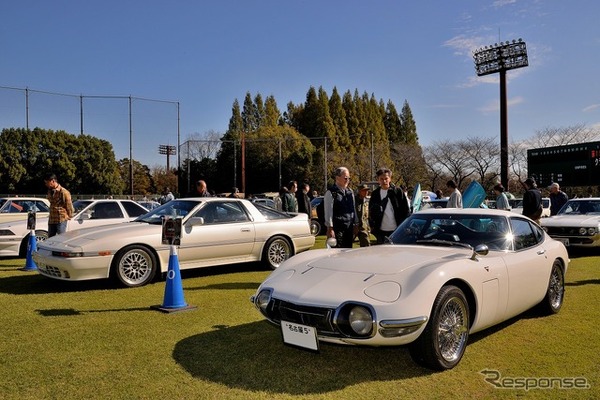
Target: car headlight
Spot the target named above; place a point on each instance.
(262, 300)
(361, 320)
(355, 320)
(592, 231)
(583, 231)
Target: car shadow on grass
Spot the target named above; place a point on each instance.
(253, 357)
(31, 282)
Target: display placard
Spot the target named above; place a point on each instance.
(31, 220)
(171, 231)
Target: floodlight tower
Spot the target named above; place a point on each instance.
(501, 58)
(167, 150)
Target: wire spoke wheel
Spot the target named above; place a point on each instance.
(452, 332)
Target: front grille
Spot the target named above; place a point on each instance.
(318, 317)
(48, 270)
(559, 230)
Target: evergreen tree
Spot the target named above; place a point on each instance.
(409, 126)
(392, 123)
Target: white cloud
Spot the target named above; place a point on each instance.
(494, 106)
(502, 3)
(591, 107)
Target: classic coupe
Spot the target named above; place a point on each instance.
(215, 231)
(17, 208)
(444, 275)
(577, 224)
(14, 236)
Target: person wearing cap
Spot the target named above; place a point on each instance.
(558, 198)
(388, 206)
(362, 211)
(501, 199)
(532, 200)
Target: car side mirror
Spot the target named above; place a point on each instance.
(195, 221)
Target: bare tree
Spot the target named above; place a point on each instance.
(550, 137)
(483, 158)
(454, 158)
(199, 147)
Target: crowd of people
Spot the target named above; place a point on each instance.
(348, 215)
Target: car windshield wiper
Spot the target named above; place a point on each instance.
(439, 242)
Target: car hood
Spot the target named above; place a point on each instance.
(571, 220)
(326, 276)
(106, 233)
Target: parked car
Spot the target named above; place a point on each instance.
(446, 273)
(577, 224)
(14, 236)
(17, 208)
(149, 204)
(317, 219)
(215, 231)
(264, 201)
(434, 203)
(517, 206)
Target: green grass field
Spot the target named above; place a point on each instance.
(94, 340)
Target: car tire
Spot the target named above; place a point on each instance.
(555, 293)
(315, 227)
(134, 266)
(277, 250)
(443, 342)
(40, 236)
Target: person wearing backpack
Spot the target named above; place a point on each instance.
(340, 211)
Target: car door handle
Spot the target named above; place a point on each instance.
(245, 230)
(541, 252)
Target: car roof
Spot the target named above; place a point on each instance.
(465, 211)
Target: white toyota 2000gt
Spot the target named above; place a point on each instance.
(444, 275)
(215, 231)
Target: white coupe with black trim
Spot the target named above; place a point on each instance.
(444, 275)
(215, 231)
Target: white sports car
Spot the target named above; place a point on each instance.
(14, 236)
(445, 274)
(577, 224)
(16, 208)
(215, 231)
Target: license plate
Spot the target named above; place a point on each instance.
(300, 335)
(564, 241)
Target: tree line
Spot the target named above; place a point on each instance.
(306, 142)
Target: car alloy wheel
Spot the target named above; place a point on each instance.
(135, 266)
(277, 250)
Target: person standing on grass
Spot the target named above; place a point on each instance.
(388, 206)
(61, 206)
(339, 210)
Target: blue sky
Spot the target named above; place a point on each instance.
(205, 54)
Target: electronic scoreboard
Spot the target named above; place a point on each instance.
(570, 165)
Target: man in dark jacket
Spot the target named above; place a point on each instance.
(532, 200)
(340, 212)
(388, 206)
(303, 199)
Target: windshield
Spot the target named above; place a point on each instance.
(81, 204)
(174, 208)
(447, 229)
(581, 207)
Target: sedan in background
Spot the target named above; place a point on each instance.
(149, 204)
(445, 274)
(17, 208)
(215, 231)
(577, 224)
(517, 206)
(14, 236)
